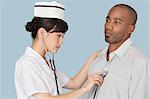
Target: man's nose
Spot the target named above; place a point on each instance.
(108, 26)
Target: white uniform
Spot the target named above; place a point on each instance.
(32, 75)
(126, 76)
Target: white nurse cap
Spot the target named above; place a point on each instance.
(49, 10)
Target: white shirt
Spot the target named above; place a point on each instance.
(33, 75)
(126, 76)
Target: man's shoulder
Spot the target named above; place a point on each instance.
(136, 53)
(137, 56)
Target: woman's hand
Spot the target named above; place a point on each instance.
(93, 56)
(77, 81)
(92, 80)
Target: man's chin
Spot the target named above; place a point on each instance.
(109, 41)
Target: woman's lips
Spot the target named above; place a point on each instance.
(57, 47)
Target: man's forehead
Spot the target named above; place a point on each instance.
(119, 8)
(118, 13)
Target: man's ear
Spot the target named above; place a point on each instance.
(131, 29)
(42, 32)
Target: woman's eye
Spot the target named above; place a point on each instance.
(59, 35)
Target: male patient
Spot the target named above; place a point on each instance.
(126, 65)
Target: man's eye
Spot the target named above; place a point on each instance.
(107, 20)
(117, 22)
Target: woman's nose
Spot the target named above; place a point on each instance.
(61, 41)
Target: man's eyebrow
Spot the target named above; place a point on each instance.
(107, 17)
(114, 18)
(118, 19)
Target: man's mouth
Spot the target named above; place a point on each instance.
(108, 34)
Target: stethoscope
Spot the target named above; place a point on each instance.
(103, 75)
(51, 64)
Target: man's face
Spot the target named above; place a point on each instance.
(117, 25)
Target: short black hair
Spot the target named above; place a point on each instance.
(131, 10)
(49, 24)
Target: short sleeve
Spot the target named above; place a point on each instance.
(30, 79)
(63, 78)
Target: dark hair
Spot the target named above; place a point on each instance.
(131, 10)
(54, 24)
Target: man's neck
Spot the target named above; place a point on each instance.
(113, 47)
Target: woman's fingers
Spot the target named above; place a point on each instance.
(97, 75)
(93, 56)
(97, 53)
(96, 78)
(92, 80)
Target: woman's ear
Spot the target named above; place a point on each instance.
(42, 33)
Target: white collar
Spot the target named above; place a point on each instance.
(31, 52)
(121, 50)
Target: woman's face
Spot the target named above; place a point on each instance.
(54, 41)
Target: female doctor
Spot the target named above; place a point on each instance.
(36, 76)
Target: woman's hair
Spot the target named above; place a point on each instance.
(49, 24)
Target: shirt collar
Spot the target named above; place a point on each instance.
(121, 50)
(31, 52)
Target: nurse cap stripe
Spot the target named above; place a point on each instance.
(49, 10)
(49, 6)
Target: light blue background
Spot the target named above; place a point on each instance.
(85, 19)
